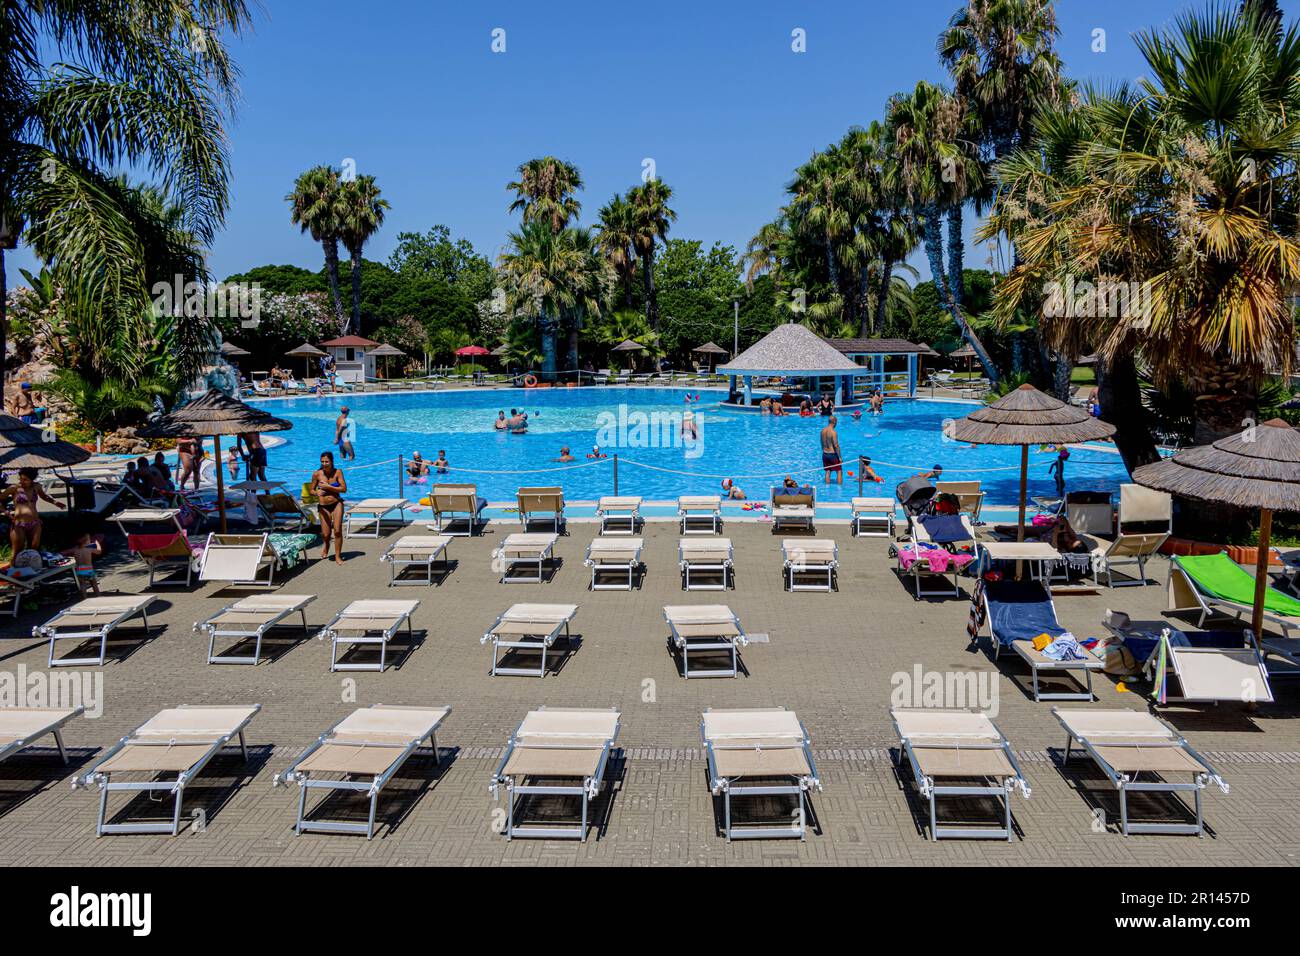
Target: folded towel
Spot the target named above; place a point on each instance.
(1065, 648)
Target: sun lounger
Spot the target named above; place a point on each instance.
(555, 752)
(239, 560)
(618, 514)
(529, 628)
(813, 557)
(959, 753)
(712, 557)
(877, 513)
(365, 749)
(524, 549)
(26, 585)
(180, 740)
(970, 497)
(936, 531)
(705, 629)
(759, 753)
(93, 619)
(157, 538)
(282, 512)
(20, 727)
(452, 503)
(606, 556)
(541, 504)
(1153, 511)
(414, 551)
(370, 511)
(1089, 512)
(798, 509)
(250, 620)
(1125, 745)
(1206, 667)
(692, 508)
(1019, 611)
(367, 622)
(1215, 584)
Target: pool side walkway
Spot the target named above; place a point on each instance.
(833, 658)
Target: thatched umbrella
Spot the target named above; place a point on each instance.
(306, 352)
(710, 348)
(25, 446)
(385, 351)
(1260, 468)
(230, 350)
(965, 352)
(627, 345)
(1027, 417)
(212, 416)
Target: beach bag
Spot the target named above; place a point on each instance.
(30, 559)
(1119, 661)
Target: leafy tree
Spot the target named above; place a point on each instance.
(651, 219)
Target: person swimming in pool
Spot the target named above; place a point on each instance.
(501, 424)
(596, 453)
(441, 464)
(417, 468)
(565, 456)
(732, 490)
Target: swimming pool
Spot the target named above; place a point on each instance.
(643, 426)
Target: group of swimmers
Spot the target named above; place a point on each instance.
(516, 424)
(417, 469)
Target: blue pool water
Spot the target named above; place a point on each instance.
(643, 425)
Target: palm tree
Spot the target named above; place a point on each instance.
(617, 238)
(361, 213)
(534, 267)
(146, 84)
(651, 220)
(314, 206)
(935, 170)
(544, 192)
(588, 276)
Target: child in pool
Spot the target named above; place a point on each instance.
(441, 464)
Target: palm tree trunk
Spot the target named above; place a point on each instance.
(956, 256)
(882, 299)
(1061, 373)
(1017, 353)
(356, 292)
(651, 297)
(572, 358)
(332, 271)
(933, 241)
(548, 348)
(1120, 398)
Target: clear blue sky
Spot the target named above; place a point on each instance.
(711, 91)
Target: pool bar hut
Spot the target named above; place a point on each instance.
(353, 362)
(849, 369)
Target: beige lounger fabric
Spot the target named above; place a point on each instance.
(418, 545)
(176, 738)
(368, 740)
(700, 549)
(699, 503)
(808, 551)
(561, 742)
(261, 608)
(527, 545)
(702, 620)
(953, 743)
(614, 550)
(19, 723)
(618, 502)
(762, 742)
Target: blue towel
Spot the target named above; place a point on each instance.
(945, 529)
(1064, 648)
(1020, 611)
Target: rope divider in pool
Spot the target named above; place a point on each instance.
(532, 471)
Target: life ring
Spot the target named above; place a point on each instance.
(530, 381)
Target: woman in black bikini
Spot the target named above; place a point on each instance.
(329, 486)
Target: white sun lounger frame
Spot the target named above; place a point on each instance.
(588, 790)
(444, 516)
(693, 507)
(600, 563)
(706, 643)
(416, 556)
(724, 566)
(238, 633)
(371, 787)
(1002, 790)
(372, 510)
(793, 564)
(729, 787)
(544, 554)
(546, 634)
(1127, 783)
(872, 511)
(68, 617)
(358, 634)
(53, 727)
(613, 510)
(266, 559)
(175, 787)
(1080, 671)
